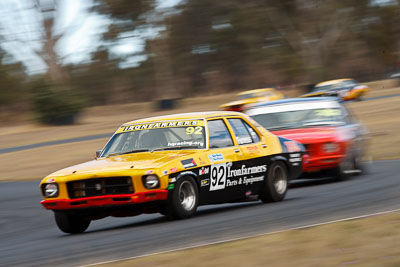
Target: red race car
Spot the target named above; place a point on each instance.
(334, 141)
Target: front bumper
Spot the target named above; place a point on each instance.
(106, 200)
(318, 163)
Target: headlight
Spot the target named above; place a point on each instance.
(344, 93)
(50, 190)
(151, 181)
(330, 147)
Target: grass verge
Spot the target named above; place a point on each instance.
(382, 119)
(373, 241)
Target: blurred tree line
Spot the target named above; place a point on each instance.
(208, 47)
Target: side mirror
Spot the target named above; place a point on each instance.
(98, 152)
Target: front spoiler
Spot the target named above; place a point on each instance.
(107, 200)
(322, 162)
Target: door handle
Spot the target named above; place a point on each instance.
(237, 150)
(264, 146)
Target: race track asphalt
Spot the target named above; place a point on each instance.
(29, 236)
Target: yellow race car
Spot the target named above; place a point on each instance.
(172, 164)
(252, 96)
(346, 89)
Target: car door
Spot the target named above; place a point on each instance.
(253, 166)
(223, 153)
(356, 132)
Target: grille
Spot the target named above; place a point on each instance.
(308, 148)
(100, 187)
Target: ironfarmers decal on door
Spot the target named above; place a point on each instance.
(225, 175)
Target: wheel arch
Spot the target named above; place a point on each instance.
(280, 158)
(189, 174)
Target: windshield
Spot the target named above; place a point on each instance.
(255, 94)
(168, 135)
(300, 118)
(329, 87)
(335, 86)
(249, 95)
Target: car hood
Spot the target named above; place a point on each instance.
(310, 134)
(319, 93)
(136, 161)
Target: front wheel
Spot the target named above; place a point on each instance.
(184, 199)
(345, 168)
(361, 167)
(69, 223)
(275, 186)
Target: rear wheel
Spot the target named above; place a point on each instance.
(184, 199)
(275, 186)
(69, 223)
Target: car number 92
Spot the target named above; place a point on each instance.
(218, 176)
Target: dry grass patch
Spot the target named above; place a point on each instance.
(100, 120)
(373, 241)
(37, 163)
(382, 118)
(383, 87)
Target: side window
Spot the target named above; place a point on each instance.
(242, 134)
(348, 84)
(219, 134)
(253, 133)
(348, 116)
(267, 94)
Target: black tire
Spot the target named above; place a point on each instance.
(275, 186)
(361, 166)
(183, 201)
(71, 224)
(341, 172)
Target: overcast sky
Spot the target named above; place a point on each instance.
(19, 25)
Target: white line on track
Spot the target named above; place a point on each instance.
(244, 237)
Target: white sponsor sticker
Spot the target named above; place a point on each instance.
(216, 157)
(51, 180)
(244, 140)
(204, 170)
(218, 177)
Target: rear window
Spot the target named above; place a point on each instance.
(243, 132)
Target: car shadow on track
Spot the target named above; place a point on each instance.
(202, 212)
(154, 221)
(217, 208)
(311, 182)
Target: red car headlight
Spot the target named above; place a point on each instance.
(306, 159)
(330, 147)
